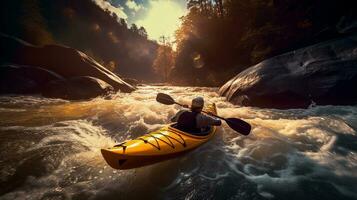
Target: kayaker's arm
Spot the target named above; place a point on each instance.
(215, 121)
(205, 121)
(176, 117)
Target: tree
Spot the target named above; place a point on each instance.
(134, 28)
(164, 61)
(143, 32)
(220, 10)
(207, 7)
(123, 23)
(204, 6)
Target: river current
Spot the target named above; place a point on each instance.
(50, 149)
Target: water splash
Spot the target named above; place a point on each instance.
(50, 149)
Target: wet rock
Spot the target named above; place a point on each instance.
(15, 79)
(65, 61)
(77, 88)
(131, 81)
(322, 74)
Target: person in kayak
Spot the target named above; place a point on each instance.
(193, 120)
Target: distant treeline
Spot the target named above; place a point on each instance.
(83, 25)
(219, 38)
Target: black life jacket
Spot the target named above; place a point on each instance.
(187, 122)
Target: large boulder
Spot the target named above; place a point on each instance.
(16, 79)
(131, 81)
(65, 61)
(77, 88)
(325, 73)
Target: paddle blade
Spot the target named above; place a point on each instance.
(239, 125)
(165, 99)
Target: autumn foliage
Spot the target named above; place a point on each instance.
(164, 61)
(231, 35)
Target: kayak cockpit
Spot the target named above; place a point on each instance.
(206, 131)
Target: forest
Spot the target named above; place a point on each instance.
(220, 38)
(216, 39)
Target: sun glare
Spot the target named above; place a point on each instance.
(162, 19)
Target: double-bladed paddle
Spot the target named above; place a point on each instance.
(236, 124)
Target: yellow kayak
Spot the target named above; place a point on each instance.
(165, 143)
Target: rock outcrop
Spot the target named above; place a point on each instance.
(67, 64)
(131, 81)
(77, 88)
(323, 74)
(65, 61)
(16, 79)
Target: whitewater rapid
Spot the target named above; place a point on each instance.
(50, 149)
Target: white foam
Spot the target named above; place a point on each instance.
(284, 148)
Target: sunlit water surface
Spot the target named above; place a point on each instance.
(50, 149)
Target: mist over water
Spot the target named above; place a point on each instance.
(50, 149)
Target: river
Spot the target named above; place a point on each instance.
(50, 149)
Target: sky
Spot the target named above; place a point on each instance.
(158, 17)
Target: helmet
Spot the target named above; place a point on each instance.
(197, 103)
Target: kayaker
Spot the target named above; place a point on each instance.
(193, 121)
